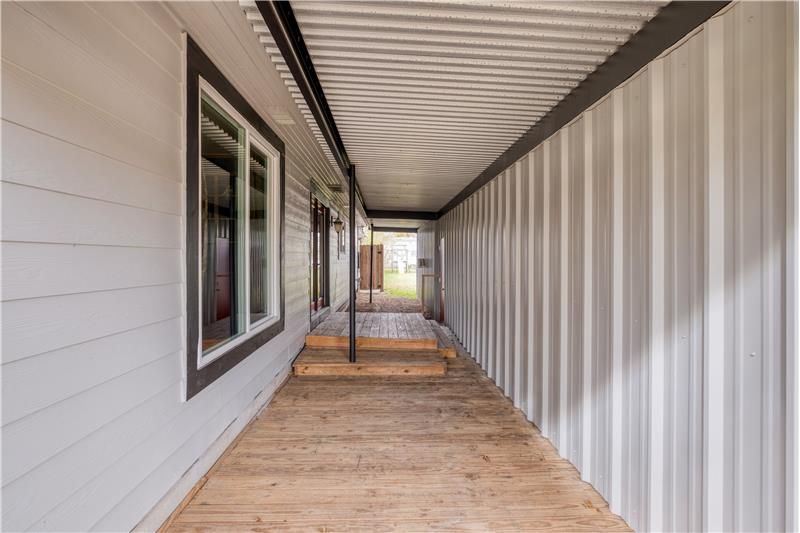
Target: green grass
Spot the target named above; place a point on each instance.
(400, 285)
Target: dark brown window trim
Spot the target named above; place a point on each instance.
(199, 65)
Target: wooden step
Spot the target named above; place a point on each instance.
(446, 346)
(334, 362)
(380, 331)
(375, 343)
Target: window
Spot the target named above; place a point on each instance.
(320, 254)
(222, 221)
(260, 237)
(234, 226)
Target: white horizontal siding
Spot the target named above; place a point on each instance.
(654, 235)
(34, 270)
(63, 170)
(339, 265)
(60, 218)
(83, 366)
(38, 325)
(94, 430)
(81, 24)
(33, 102)
(87, 78)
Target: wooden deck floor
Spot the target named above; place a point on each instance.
(428, 453)
(375, 330)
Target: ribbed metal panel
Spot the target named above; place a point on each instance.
(627, 282)
(426, 249)
(330, 180)
(426, 94)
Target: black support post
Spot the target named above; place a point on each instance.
(352, 186)
(371, 253)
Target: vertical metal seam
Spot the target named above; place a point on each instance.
(587, 472)
(792, 519)
(508, 261)
(618, 207)
(519, 291)
(714, 401)
(545, 394)
(657, 281)
(564, 304)
(532, 315)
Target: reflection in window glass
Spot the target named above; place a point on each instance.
(222, 224)
(260, 245)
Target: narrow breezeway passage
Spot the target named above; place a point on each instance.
(421, 453)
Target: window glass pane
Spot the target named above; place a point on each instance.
(222, 225)
(260, 244)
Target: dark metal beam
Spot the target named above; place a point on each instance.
(402, 215)
(672, 23)
(371, 253)
(361, 199)
(285, 30)
(390, 229)
(352, 310)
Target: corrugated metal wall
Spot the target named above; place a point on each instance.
(624, 282)
(426, 250)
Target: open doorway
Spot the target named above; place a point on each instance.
(394, 273)
(400, 265)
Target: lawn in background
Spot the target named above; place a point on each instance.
(400, 285)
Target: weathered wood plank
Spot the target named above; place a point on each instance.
(407, 331)
(446, 345)
(326, 362)
(410, 453)
(380, 343)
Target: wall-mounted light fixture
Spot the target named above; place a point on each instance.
(338, 225)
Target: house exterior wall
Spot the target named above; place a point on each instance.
(340, 267)
(624, 283)
(95, 431)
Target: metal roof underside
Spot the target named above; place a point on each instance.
(427, 94)
(398, 223)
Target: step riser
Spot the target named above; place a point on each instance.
(354, 369)
(320, 341)
(448, 353)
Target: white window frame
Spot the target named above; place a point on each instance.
(252, 137)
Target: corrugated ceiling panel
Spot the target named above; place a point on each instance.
(426, 94)
(330, 182)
